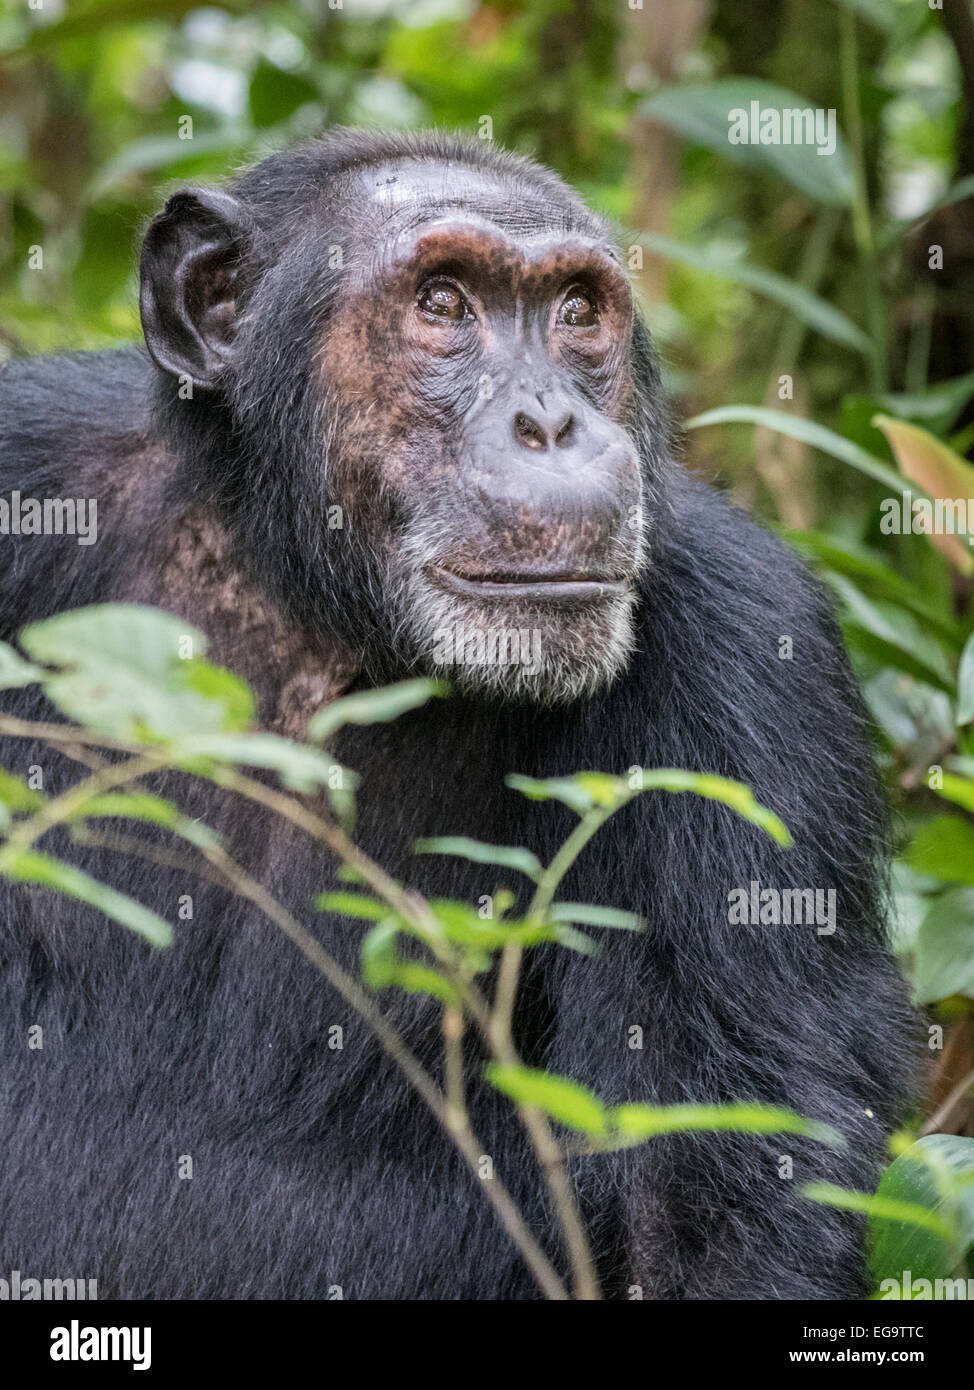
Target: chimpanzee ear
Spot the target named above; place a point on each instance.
(193, 266)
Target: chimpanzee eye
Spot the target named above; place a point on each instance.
(577, 310)
(444, 301)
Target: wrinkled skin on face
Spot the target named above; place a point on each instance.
(483, 376)
(474, 369)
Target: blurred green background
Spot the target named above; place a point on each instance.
(831, 298)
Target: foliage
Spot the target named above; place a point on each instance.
(799, 295)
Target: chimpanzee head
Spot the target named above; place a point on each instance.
(409, 373)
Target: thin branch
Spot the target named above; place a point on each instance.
(943, 1113)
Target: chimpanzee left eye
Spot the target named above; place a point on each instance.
(444, 301)
(578, 310)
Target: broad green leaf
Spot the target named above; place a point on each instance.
(152, 154)
(128, 635)
(807, 432)
(276, 94)
(373, 706)
(934, 1175)
(944, 847)
(891, 636)
(882, 1210)
(935, 408)
(944, 948)
(27, 866)
(504, 856)
(702, 113)
(638, 1121)
(14, 670)
(564, 1100)
(910, 712)
(135, 672)
(122, 704)
(817, 313)
(873, 576)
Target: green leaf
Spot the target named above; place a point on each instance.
(935, 408)
(881, 1209)
(565, 789)
(817, 313)
(353, 905)
(502, 855)
(891, 637)
(231, 693)
(152, 810)
(300, 768)
(380, 953)
(965, 683)
(124, 673)
(420, 979)
(637, 1121)
(736, 795)
(807, 432)
(27, 866)
(875, 577)
(15, 796)
(128, 635)
(373, 706)
(701, 112)
(959, 790)
(157, 154)
(586, 790)
(382, 968)
(591, 915)
(564, 1100)
(944, 948)
(275, 94)
(14, 670)
(944, 847)
(934, 1175)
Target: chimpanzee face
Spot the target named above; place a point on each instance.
(479, 360)
(474, 368)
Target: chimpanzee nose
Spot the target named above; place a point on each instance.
(542, 429)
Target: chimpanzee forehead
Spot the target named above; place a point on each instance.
(403, 194)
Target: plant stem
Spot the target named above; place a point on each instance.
(861, 217)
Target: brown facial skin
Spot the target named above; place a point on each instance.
(480, 377)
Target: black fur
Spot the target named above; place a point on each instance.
(316, 1167)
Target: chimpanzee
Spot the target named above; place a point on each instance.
(396, 406)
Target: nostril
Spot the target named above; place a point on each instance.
(566, 432)
(528, 432)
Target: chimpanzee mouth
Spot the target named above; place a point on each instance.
(557, 587)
